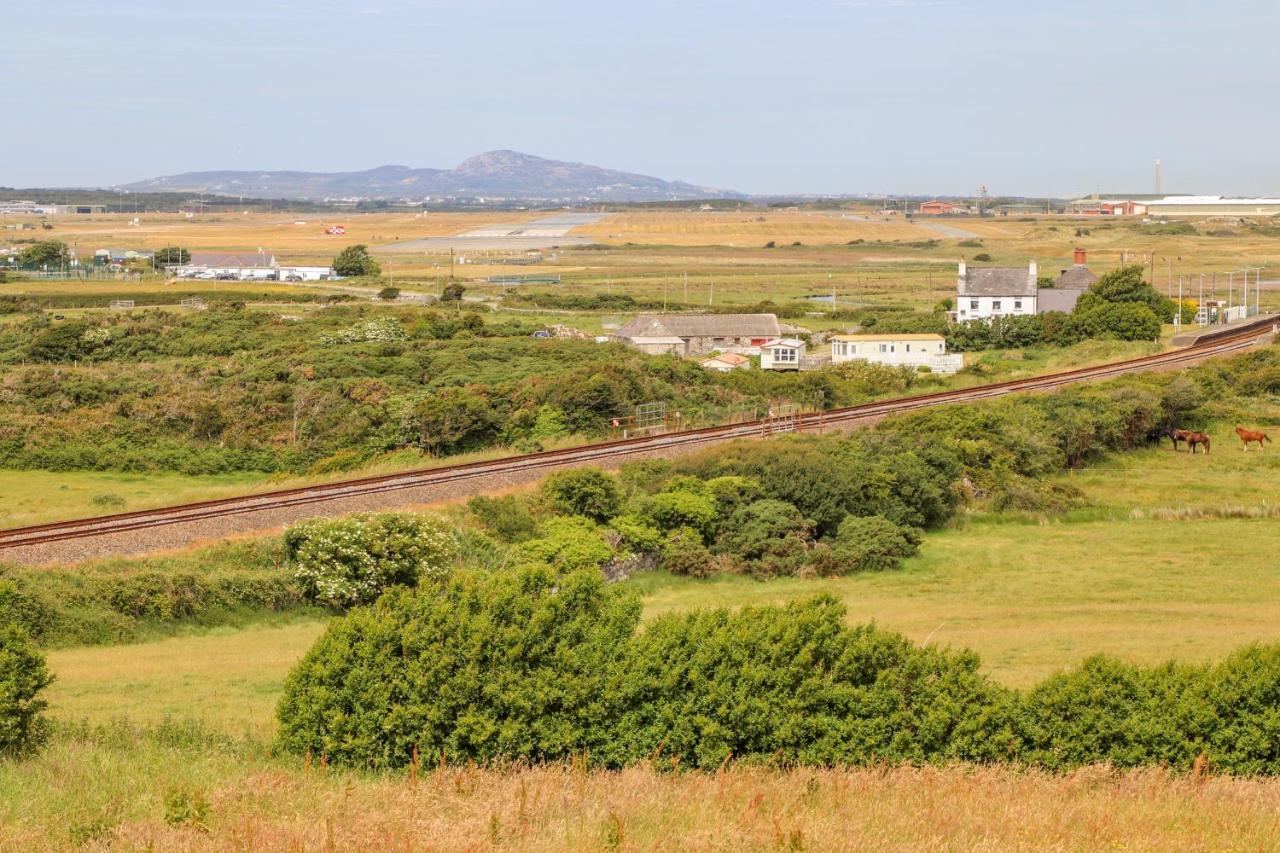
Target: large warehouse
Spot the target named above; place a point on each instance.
(1212, 205)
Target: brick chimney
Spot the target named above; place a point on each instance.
(1079, 259)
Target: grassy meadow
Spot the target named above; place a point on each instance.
(165, 744)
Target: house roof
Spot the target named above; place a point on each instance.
(729, 358)
(997, 281)
(702, 326)
(231, 259)
(1079, 277)
(922, 336)
(789, 343)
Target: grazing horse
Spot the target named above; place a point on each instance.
(1181, 435)
(1156, 435)
(1194, 438)
(1248, 435)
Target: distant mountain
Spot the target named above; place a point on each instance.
(505, 174)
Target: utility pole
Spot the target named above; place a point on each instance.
(686, 287)
(711, 297)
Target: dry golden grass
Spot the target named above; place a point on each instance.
(257, 806)
(275, 232)
(745, 228)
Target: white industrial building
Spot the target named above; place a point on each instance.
(899, 350)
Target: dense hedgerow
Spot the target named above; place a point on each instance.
(118, 601)
(23, 676)
(533, 666)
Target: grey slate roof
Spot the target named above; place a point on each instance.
(1057, 299)
(701, 326)
(1076, 278)
(997, 281)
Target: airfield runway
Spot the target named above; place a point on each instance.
(539, 234)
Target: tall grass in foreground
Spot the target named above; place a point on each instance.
(176, 787)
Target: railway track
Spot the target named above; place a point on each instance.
(265, 502)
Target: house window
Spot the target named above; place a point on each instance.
(908, 347)
(784, 355)
(995, 304)
(1017, 305)
(973, 304)
(884, 348)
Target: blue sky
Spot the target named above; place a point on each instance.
(926, 96)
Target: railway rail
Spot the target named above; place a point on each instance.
(1225, 343)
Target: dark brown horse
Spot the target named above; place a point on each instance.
(1248, 435)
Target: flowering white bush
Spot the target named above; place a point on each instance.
(377, 329)
(344, 562)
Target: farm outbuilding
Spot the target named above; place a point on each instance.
(703, 333)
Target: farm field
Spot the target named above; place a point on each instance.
(867, 260)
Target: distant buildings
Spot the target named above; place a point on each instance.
(897, 349)
(986, 292)
(1213, 205)
(726, 362)
(940, 208)
(695, 334)
(32, 208)
(231, 266)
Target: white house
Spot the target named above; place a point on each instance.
(909, 350)
(986, 292)
(782, 354)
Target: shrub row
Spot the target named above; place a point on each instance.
(124, 601)
(530, 666)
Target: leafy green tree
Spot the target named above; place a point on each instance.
(453, 418)
(675, 510)
(1125, 321)
(23, 675)
(355, 261)
(588, 492)
(45, 254)
(452, 293)
(389, 294)
(343, 562)
(171, 255)
(1125, 285)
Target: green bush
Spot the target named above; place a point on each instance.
(588, 492)
(679, 510)
(344, 562)
(22, 676)
(873, 543)
(637, 536)
(505, 517)
(568, 544)
(493, 668)
(756, 527)
(684, 554)
(794, 685)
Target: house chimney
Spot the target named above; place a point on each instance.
(1032, 270)
(963, 279)
(1079, 256)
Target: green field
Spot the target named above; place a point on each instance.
(1031, 595)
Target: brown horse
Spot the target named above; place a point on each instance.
(1248, 435)
(1194, 438)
